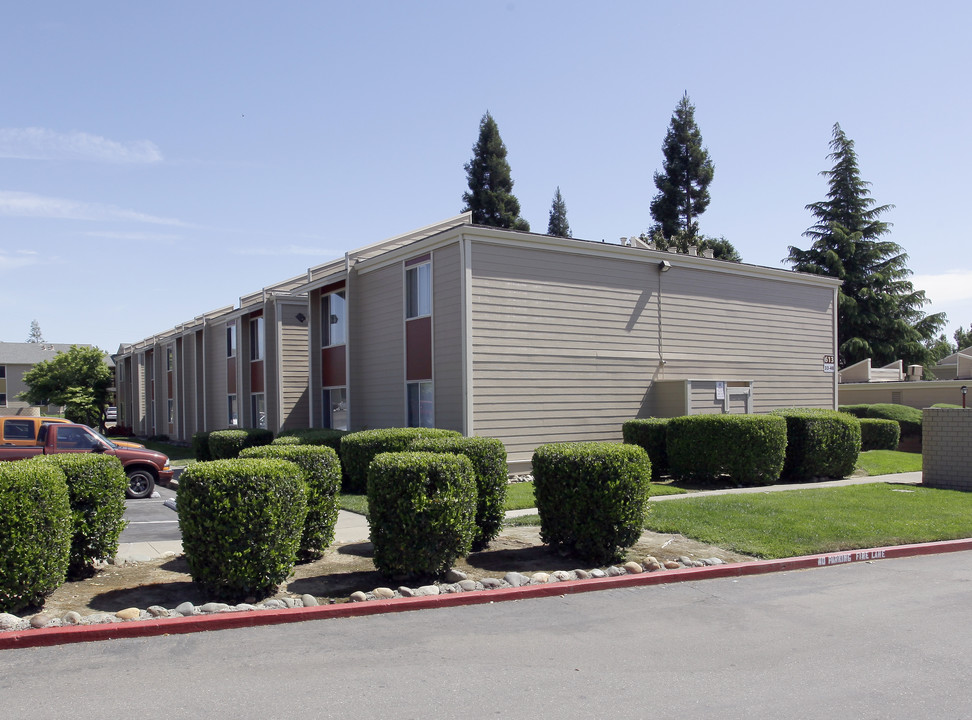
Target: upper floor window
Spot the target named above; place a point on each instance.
(334, 319)
(231, 340)
(256, 338)
(169, 359)
(3, 371)
(418, 290)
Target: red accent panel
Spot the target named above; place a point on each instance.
(169, 378)
(256, 376)
(418, 349)
(231, 376)
(334, 367)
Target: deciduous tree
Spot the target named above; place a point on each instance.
(77, 379)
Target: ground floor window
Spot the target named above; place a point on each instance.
(420, 404)
(336, 408)
(171, 411)
(258, 407)
(3, 399)
(232, 413)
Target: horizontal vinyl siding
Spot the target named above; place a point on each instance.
(216, 408)
(377, 372)
(294, 372)
(447, 338)
(567, 346)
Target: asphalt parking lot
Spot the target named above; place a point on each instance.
(150, 520)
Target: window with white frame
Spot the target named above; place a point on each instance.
(418, 290)
(335, 408)
(256, 338)
(334, 319)
(169, 359)
(231, 340)
(421, 405)
(258, 409)
(232, 412)
(171, 411)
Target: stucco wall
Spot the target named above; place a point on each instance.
(947, 448)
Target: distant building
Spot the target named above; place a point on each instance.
(862, 384)
(15, 360)
(524, 337)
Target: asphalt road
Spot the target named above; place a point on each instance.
(150, 520)
(888, 639)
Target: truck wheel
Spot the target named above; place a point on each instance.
(141, 483)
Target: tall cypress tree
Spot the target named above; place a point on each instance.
(490, 196)
(879, 312)
(558, 224)
(683, 186)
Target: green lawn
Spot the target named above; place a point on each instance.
(888, 462)
(805, 522)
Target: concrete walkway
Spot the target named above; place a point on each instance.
(352, 527)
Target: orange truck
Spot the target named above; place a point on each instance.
(143, 467)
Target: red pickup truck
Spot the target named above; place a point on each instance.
(143, 467)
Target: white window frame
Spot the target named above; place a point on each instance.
(231, 340)
(232, 411)
(257, 344)
(418, 290)
(327, 416)
(256, 401)
(422, 420)
(327, 336)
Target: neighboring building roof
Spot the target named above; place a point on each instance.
(32, 353)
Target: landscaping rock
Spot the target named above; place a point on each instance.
(213, 607)
(9, 622)
(582, 574)
(309, 600)
(428, 590)
(129, 614)
(71, 618)
(491, 583)
(467, 585)
(633, 568)
(515, 579)
(454, 576)
(540, 578)
(406, 592)
(186, 609)
(598, 573)
(671, 565)
(358, 597)
(383, 593)
(42, 620)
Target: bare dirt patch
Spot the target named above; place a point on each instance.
(344, 569)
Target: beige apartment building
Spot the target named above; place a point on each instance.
(524, 337)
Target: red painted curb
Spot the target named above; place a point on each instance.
(46, 637)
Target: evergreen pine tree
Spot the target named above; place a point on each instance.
(490, 195)
(35, 333)
(687, 172)
(879, 312)
(558, 224)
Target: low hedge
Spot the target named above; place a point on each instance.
(592, 497)
(96, 488)
(227, 444)
(422, 509)
(35, 533)
(313, 436)
(650, 435)
(200, 447)
(858, 411)
(908, 418)
(358, 449)
(820, 443)
(488, 457)
(750, 449)
(878, 434)
(241, 523)
(322, 473)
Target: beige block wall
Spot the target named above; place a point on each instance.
(947, 448)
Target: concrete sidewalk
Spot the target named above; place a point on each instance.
(352, 527)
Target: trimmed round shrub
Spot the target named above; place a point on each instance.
(650, 435)
(908, 418)
(312, 436)
(226, 444)
(200, 447)
(878, 434)
(488, 457)
(749, 449)
(35, 533)
(96, 488)
(422, 508)
(820, 443)
(241, 523)
(858, 411)
(358, 449)
(592, 497)
(322, 473)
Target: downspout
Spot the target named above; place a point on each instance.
(347, 338)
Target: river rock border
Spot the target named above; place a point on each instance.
(455, 581)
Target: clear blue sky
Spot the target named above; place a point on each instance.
(159, 160)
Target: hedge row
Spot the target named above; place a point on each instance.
(819, 443)
(877, 434)
(360, 448)
(591, 497)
